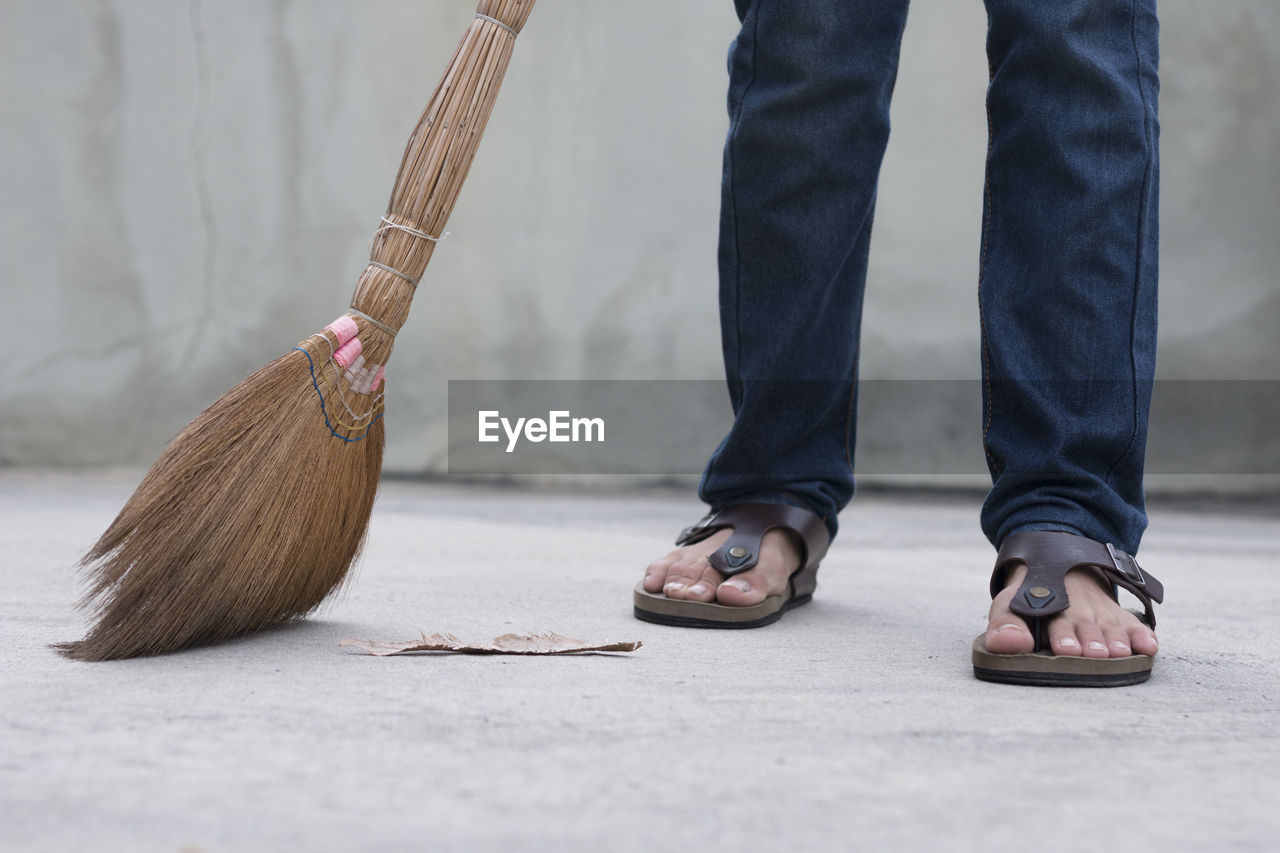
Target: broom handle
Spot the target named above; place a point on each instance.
(436, 161)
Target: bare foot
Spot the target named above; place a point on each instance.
(686, 574)
(1094, 626)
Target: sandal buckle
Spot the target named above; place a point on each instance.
(1127, 565)
(697, 531)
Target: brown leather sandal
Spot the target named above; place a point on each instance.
(1049, 556)
(740, 552)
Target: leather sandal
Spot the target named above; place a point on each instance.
(1048, 557)
(739, 553)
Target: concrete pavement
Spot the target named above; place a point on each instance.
(853, 724)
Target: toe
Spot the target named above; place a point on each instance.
(1009, 638)
(1063, 639)
(1006, 633)
(743, 590)
(704, 588)
(1092, 641)
(1143, 641)
(681, 575)
(683, 569)
(692, 580)
(1118, 641)
(655, 577)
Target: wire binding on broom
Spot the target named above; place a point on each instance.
(346, 362)
(337, 382)
(388, 225)
(499, 23)
(393, 271)
(324, 409)
(390, 331)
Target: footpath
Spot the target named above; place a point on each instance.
(854, 724)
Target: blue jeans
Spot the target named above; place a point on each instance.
(1067, 288)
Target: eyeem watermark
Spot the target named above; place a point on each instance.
(916, 427)
(558, 427)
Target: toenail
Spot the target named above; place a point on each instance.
(1009, 628)
(698, 589)
(1097, 647)
(1068, 643)
(741, 586)
(673, 587)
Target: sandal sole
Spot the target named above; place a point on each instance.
(1045, 670)
(661, 610)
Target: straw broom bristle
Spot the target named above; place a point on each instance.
(250, 517)
(254, 513)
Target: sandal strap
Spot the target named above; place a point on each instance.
(750, 522)
(1049, 555)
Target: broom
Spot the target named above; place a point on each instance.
(253, 514)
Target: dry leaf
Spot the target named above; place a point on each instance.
(507, 644)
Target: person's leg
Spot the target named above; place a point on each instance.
(1068, 292)
(809, 91)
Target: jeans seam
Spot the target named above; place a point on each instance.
(733, 196)
(1140, 254)
(848, 419)
(982, 270)
(732, 202)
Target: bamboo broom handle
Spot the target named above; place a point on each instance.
(436, 161)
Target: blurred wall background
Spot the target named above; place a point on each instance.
(187, 188)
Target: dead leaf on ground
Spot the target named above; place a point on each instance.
(507, 644)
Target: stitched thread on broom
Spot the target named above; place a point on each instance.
(342, 398)
(311, 365)
(362, 421)
(499, 23)
(337, 387)
(337, 384)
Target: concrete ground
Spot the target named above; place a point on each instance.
(853, 724)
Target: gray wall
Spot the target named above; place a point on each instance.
(188, 188)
